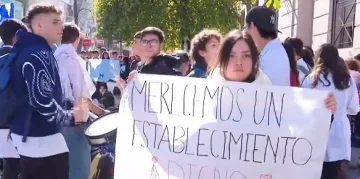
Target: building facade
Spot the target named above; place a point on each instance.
(86, 21)
(64, 5)
(322, 21)
(19, 7)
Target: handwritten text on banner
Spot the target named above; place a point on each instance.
(176, 127)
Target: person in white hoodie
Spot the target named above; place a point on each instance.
(76, 83)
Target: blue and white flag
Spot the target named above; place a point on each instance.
(7, 11)
(104, 70)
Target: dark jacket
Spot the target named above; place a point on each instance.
(160, 65)
(36, 74)
(127, 63)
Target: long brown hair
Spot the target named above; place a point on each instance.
(225, 49)
(329, 61)
(292, 61)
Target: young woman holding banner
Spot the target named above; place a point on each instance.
(238, 60)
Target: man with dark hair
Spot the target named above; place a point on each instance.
(152, 62)
(154, 31)
(274, 62)
(204, 49)
(76, 83)
(151, 42)
(71, 33)
(11, 167)
(8, 29)
(35, 77)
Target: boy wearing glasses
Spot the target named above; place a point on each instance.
(152, 62)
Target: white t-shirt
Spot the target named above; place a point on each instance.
(339, 144)
(39, 147)
(7, 149)
(274, 62)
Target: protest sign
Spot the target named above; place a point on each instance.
(103, 70)
(177, 128)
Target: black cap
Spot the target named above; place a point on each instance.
(263, 17)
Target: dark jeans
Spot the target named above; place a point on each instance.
(11, 168)
(52, 167)
(332, 170)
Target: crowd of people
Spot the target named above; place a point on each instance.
(46, 139)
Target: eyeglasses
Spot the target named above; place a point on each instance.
(151, 43)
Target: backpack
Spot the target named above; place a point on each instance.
(8, 100)
(102, 165)
(304, 70)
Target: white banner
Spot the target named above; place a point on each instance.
(189, 128)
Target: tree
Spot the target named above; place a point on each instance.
(120, 19)
(276, 4)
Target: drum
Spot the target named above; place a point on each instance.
(102, 131)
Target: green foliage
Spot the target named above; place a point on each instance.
(120, 19)
(276, 4)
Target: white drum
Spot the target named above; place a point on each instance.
(102, 131)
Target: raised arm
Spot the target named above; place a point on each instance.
(40, 78)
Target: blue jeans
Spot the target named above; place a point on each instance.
(79, 151)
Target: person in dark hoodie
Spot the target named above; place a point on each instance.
(11, 167)
(35, 77)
